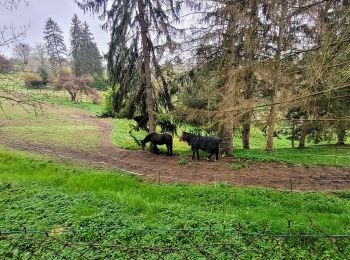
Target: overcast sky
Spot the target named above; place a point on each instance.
(36, 14)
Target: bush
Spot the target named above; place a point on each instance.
(182, 161)
(32, 80)
(42, 72)
(98, 82)
(107, 107)
(5, 65)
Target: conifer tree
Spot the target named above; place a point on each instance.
(55, 45)
(132, 57)
(85, 55)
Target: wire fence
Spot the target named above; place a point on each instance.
(190, 243)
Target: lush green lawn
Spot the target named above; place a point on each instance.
(58, 126)
(60, 98)
(146, 205)
(42, 195)
(48, 95)
(321, 154)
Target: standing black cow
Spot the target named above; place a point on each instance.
(205, 143)
(159, 139)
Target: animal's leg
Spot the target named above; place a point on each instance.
(155, 149)
(171, 149)
(217, 154)
(197, 154)
(168, 149)
(210, 155)
(193, 152)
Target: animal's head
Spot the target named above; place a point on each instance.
(183, 137)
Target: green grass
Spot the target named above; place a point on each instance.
(42, 194)
(58, 126)
(39, 194)
(61, 101)
(49, 96)
(328, 155)
(321, 154)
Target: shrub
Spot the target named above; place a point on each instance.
(5, 65)
(107, 107)
(42, 72)
(98, 82)
(32, 80)
(182, 161)
(237, 166)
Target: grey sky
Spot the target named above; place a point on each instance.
(37, 13)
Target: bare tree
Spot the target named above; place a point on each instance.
(22, 51)
(9, 35)
(40, 53)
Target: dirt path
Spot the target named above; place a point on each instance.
(160, 168)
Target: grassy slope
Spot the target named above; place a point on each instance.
(41, 194)
(324, 154)
(62, 98)
(58, 126)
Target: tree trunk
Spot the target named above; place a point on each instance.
(303, 134)
(147, 67)
(250, 46)
(227, 141)
(73, 96)
(293, 136)
(229, 87)
(273, 110)
(246, 131)
(341, 136)
(271, 124)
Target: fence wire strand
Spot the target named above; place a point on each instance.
(175, 243)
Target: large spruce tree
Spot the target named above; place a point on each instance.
(76, 42)
(55, 45)
(85, 55)
(132, 55)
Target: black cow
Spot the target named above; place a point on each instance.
(205, 143)
(159, 139)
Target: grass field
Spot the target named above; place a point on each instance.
(39, 194)
(59, 126)
(35, 182)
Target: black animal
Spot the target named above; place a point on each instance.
(159, 139)
(205, 143)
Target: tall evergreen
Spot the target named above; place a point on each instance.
(92, 59)
(136, 26)
(55, 45)
(76, 42)
(85, 55)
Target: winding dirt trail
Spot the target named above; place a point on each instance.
(160, 168)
